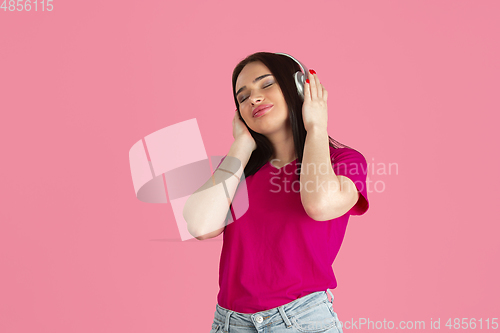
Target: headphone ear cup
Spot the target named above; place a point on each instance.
(299, 82)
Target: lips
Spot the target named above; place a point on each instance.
(260, 108)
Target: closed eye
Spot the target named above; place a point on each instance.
(270, 84)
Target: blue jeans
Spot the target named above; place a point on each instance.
(312, 313)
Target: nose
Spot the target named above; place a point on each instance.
(255, 97)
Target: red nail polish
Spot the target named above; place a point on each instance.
(312, 71)
(307, 80)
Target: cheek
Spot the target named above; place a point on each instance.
(277, 96)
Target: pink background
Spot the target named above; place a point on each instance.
(410, 82)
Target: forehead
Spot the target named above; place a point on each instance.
(250, 72)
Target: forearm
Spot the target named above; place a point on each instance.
(319, 184)
(205, 210)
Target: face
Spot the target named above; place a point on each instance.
(257, 89)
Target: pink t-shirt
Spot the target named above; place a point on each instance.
(275, 253)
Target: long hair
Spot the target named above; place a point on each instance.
(282, 68)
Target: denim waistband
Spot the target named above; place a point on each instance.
(228, 318)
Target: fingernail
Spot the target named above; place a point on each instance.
(312, 71)
(307, 80)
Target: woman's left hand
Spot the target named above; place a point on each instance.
(314, 109)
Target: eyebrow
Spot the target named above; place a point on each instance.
(257, 79)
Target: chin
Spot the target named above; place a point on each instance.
(270, 127)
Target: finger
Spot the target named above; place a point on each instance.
(320, 90)
(325, 94)
(319, 85)
(312, 82)
(237, 115)
(307, 91)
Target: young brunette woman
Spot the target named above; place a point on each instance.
(290, 189)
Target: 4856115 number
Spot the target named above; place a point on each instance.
(27, 5)
(472, 323)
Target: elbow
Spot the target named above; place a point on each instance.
(187, 214)
(322, 213)
(314, 212)
(194, 232)
(194, 227)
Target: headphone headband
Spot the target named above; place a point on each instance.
(303, 67)
(300, 77)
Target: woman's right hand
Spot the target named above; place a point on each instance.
(241, 133)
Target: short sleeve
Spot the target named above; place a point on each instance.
(352, 164)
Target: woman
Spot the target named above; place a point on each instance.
(276, 261)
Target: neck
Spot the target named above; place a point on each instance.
(284, 149)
